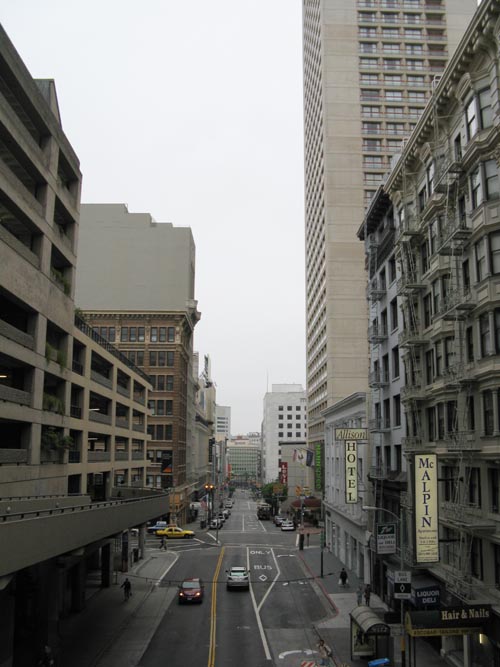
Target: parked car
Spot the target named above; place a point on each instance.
(226, 512)
(237, 577)
(174, 532)
(191, 590)
(221, 516)
(287, 525)
(216, 523)
(278, 520)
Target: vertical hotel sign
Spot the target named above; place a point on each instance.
(426, 509)
(351, 471)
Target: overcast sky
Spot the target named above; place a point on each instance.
(192, 111)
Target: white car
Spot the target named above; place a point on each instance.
(237, 577)
(287, 525)
(216, 523)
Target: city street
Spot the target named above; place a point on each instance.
(273, 621)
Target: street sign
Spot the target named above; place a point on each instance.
(386, 538)
(402, 585)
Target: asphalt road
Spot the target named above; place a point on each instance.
(269, 625)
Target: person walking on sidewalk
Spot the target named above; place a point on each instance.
(127, 589)
(163, 544)
(368, 592)
(343, 577)
(325, 653)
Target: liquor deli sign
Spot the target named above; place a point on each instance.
(426, 508)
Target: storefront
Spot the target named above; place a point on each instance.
(471, 623)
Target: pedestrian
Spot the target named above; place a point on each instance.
(163, 544)
(47, 659)
(359, 595)
(343, 577)
(127, 589)
(368, 592)
(307, 536)
(325, 653)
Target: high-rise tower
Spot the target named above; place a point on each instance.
(369, 67)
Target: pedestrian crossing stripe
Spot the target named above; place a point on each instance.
(308, 663)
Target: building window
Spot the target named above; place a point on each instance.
(394, 313)
(471, 415)
(476, 188)
(440, 421)
(488, 412)
(429, 367)
(485, 112)
(494, 239)
(387, 413)
(449, 351)
(466, 276)
(395, 362)
(153, 334)
(491, 179)
(484, 334)
(124, 334)
(397, 410)
(439, 359)
(469, 343)
(436, 295)
(161, 357)
(280, 408)
(431, 424)
(427, 310)
(160, 408)
(471, 119)
(494, 489)
(163, 334)
(476, 558)
(480, 251)
(169, 408)
(168, 431)
(170, 383)
(170, 359)
(152, 358)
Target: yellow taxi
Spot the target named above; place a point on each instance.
(174, 532)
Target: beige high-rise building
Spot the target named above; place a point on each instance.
(369, 67)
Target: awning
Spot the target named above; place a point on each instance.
(368, 621)
(308, 503)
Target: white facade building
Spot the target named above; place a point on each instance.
(223, 421)
(285, 419)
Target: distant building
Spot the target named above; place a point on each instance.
(284, 420)
(243, 463)
(136, 289)
(223, 421)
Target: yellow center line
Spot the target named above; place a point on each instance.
(213, 612)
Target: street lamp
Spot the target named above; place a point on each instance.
(399, 519)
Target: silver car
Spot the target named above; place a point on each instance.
(238, 577)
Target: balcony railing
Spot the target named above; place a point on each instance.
(14, 395)
(101, 379)
(94, 457)
(100, 417)
(13, 456)
(15, 334)
(379, 378)
(377, 333)
(121, 455)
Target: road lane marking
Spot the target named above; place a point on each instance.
(257, 614)
(213, 612)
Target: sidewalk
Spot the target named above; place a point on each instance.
(112, 632)
(336, 630)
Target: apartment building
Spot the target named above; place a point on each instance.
(223, 420)
(368, 71)
(72, 410)
(145, 306)
(285, 420)
(445, 193)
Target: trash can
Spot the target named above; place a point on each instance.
(203, 524)
(379, 662)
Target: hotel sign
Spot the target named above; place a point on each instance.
(426, 509)
(351, 471)
(350, 434)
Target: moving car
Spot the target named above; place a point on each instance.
(174, 532)
(159, 525)
(226, 513)
(287, 525)
(278, 520)
(237, 577)
(191, 590)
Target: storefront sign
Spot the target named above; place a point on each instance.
(283, 477)
(351, 471)
(386, 538)
(449, 621)
(426, 509)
